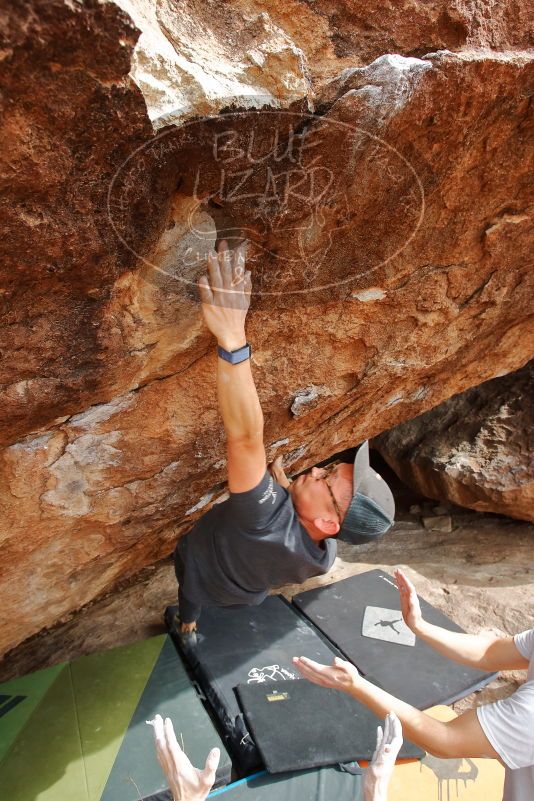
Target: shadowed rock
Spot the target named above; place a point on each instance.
(475, 449)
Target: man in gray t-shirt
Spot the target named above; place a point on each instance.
(270, 531)
(248, 544)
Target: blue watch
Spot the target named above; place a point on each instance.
(235, 356)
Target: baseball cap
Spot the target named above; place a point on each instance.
(371, 511)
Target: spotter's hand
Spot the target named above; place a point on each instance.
(340, 675)
(388, 745)
(225, 295)
(186, 782)
(410, 607)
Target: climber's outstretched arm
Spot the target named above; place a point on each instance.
(225, 296)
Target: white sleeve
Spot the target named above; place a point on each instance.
(508, 725)
(525, 643)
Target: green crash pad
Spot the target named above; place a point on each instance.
(319, 784)
(78, 730)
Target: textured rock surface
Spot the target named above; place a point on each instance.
(475, 449)
(193, 55)
(390, 245)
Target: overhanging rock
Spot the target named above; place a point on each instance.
(386, 200)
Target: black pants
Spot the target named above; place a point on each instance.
(189, 612)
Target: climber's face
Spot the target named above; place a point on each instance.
(321, 497)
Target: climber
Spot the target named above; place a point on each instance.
(270, 531)
(187, 783)
(502, 729)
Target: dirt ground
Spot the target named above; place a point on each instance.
(481, 575)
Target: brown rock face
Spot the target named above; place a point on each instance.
(475, 449)
(387, 201)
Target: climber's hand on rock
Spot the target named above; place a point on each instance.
(277, 472)
(225, 295)
(410, 607)
(186, 782)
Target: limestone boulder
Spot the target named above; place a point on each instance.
(476, 449)
(380, 167)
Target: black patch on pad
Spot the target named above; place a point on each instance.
(300, 725)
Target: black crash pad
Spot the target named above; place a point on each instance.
(301, 725)
(251, 644)
(415, 673)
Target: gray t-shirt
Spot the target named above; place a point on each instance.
(249, 544)
(509, 726)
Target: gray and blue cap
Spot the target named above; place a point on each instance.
(371, 511)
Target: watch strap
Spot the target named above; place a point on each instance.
(235, 356)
